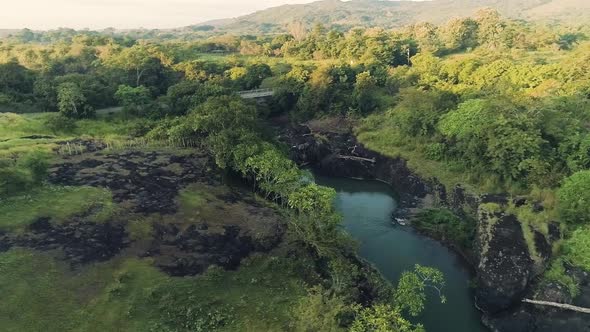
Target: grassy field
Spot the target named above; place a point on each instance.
(41, 293)
(58, 203)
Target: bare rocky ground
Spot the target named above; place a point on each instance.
(171, 206)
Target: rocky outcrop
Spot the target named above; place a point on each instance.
(341, 155)
(505, 267)
(148, 181)
(190, 251)
(523, 317)
(80, 241)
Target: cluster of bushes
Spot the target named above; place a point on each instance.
(22, 174)
(444, 224)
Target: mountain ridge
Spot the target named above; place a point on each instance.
(393, 14)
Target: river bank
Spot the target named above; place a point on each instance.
(505, 269)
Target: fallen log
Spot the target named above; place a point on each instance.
(356, 158)
(559, 305)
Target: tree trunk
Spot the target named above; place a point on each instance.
(139, 74)
(559, 305)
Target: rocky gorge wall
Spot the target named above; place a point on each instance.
(504, 268)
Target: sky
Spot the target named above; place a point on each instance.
(98, 14)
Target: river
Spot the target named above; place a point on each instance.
(367, 207)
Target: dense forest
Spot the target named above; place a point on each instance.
(496, 105)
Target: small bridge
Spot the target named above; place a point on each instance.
(255, 94)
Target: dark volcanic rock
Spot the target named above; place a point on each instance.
(342, 155)
(541, 245)
(81, 241)
(505, 267)
(190, 251)
(150, 181)
(535, 318)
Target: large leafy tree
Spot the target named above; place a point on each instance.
(140, 59)
(496, 136)
(460, 34)
(574, 198)
(16, 81)
(72, 102)
(134, 100)
(227, 121)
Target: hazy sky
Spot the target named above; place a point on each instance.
(94, 14)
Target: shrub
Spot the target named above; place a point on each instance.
(576, 249)
(435, 151)
(14, 180)
(37, 163)
(574, 198)
(59, 123)
(29, 170)
(442, 223)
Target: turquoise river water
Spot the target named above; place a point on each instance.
(367, 207)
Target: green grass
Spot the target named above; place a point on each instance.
(43, 294)
(36, 294)
(192, 199)
(556, 273)
(203, 203)
(18, 125)
(57, 203)
(14, 125)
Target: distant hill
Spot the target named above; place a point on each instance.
(8, 32)
(344, 15)
(390, 14)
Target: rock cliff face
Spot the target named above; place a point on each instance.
(505, 271)
(505, 267)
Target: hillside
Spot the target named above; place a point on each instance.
(391, 14)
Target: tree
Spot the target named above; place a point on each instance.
(574, 198)
(275, 174)
(490, 29)
(72, 102)
(316, 222)
(45, 93)
(227, 121)
(134, 100)
(418, 112)
(497, 136)
(139, 59)
(576, 249)
(318, 311)
(460, 34)
(410, 293)
(15, 79)
(255, 74)
(382, 318)
(312, 200)
(426, 34)
(298, 30)
(364, 92)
